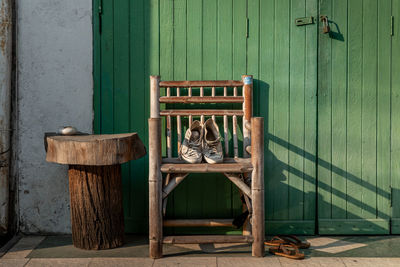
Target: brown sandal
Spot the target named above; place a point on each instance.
(295, 241)
(288, 251)
(276, 241)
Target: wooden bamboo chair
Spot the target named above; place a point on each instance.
(250, 166)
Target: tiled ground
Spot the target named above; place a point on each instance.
(325, 251)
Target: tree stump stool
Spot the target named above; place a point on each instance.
(95, 186)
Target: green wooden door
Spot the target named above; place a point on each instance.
(208, 39)
(358, 91)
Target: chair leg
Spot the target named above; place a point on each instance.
(257, 185)
(155, 189)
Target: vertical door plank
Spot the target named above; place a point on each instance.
(152, 51)
(179, 195)
(166, 58)
(121, 87)
(224, 71)
(395, 137)
(166, 40)
(209, 28)
(138, 81)
(107, 68)
(239, 69)
(383, 110)
(209, 72)
(166, 71)
(310, 121)
(266, 95)
(354, 137)
(296, 112)
(324, 119)
(253, 48)
(281, 106)
(339, 108)
(369, 79)
(194, 72)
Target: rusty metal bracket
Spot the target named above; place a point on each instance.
(304, 21)
(325, 23)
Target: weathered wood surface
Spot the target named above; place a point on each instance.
(174, 182)
(155, 189)
(199, 223)
(207, 168)
(94, 150)
(206, 239)
(235, 178)
(154, 96)
(247, 111)
(226, 160)
(199, 99)
(257, 185)
(200, 112)
(96, 206)
(228, 83)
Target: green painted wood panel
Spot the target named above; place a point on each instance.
(206, 39)
(354, 118)
(395, 123)
(287, 100)
(358, 92)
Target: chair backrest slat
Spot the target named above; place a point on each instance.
(234, 129)
(201, 98)
(169, 141)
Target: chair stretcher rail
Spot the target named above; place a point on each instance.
(207, 168)
(201, 99)
(200, 112)
(199, 223)
(207, 239)
(227, 83)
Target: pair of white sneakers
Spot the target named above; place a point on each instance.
(202, 141)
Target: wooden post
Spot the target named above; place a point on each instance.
(155, 189)
(155, 176)
(247, 110)
(247, 114)
(154, 96)
(257, 185)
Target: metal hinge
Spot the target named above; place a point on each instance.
(247, 27)
(391, 25)
(100, 13)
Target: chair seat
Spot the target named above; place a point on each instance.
(229, 165)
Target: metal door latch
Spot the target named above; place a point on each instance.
(325, 23)
(304, 21)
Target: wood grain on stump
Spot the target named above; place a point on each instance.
(94, 150)
(96, 206)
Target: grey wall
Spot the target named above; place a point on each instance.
(54, 88)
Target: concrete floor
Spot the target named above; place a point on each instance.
(325, 251)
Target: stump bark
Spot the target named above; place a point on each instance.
(96, 206)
